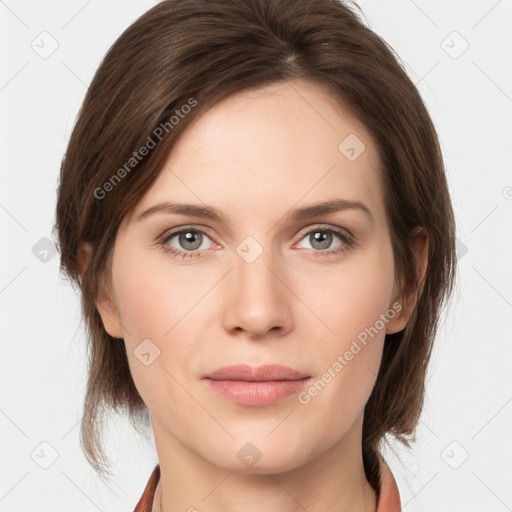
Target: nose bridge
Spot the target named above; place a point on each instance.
(257, 301)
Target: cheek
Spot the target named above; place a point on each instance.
(152, 306)
(350, 297)
(152, 296)
(355, 306)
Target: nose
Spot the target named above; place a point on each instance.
(258, 300)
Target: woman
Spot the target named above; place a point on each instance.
(283, 141)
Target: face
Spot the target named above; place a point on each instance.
(269, 281)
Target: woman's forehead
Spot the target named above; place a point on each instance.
(281, 143)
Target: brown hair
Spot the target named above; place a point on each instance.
(207, 50)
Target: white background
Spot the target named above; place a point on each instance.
(468, 410)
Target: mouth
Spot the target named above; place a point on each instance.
(264, 373)
(256, 386)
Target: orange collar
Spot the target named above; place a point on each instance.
(389, 499)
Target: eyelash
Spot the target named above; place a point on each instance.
(348, 242)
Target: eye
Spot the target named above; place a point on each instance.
(188, 242)
(185, 242)
(321, 239)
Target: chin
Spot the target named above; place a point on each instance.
(259, 459)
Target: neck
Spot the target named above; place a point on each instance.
(332, 480)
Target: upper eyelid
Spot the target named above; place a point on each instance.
(176, 231)
(326, 227)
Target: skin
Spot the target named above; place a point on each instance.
(254, 157)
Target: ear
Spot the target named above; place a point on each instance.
(406, 301)
(105, 304)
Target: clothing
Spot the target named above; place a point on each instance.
(389, 499)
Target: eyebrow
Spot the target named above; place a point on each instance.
(207, 212)
(323, 208)
(295, 214)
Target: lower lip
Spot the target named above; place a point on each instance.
(257, 393)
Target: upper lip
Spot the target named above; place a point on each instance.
(267, 372)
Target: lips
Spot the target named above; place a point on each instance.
(264, 373)
(256, 386)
